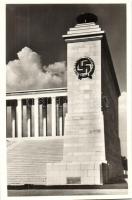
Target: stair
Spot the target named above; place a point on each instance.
(28, 158)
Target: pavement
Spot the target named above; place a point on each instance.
(108, 189)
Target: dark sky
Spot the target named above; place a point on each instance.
(41, 27)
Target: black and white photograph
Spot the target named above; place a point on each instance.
(66, 99)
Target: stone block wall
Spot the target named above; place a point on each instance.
(84, 95)
(70, 173)
(84, 147)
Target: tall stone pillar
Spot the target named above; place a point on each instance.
(61, 118)
(13, 120)
(44, 118)
(29, 119)
(84, 153)
(19, 118)
(36, 117)
(53, 110)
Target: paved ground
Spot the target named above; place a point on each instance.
(109, 189)
(67, 192)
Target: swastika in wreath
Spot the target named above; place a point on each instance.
(84, 68)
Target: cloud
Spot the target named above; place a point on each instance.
(123, 122)
(27, 72)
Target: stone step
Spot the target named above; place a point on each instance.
(86, 24)
(27, 161)
(84, 30)
(84, 27)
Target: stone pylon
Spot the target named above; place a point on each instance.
(86, 151)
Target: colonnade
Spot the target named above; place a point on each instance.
(34, 114)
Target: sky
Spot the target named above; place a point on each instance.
(34, 45)
(40, 27)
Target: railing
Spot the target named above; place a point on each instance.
(36, 113)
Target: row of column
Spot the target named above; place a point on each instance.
(17, 118)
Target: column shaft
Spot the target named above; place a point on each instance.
(44, 118)
(29, 128)
(36, 116)
(61, 120)
(19, 118)
(53, 116)
(64, 115)
(13, 121)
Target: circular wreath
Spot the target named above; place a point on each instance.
(90, 70)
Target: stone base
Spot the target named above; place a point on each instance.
(88, 173)
(83, 152)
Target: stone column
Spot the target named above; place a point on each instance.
(13, 121)
(53, 110)
(61, 119)
(29, 119)
(19, 118)
(36, 116)
(64, 112)
(44, 118)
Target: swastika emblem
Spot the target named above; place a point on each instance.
(84, 68)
